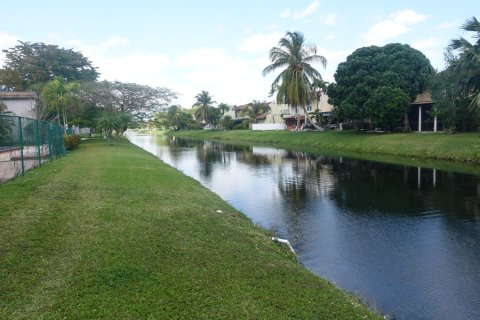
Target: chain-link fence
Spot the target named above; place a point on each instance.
(27, 143)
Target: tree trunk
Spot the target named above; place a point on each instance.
(406, 123)
(307, 118)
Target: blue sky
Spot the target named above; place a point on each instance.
(222, 46)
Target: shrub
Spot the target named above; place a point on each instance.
(71, 141)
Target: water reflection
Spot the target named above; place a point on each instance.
(406, 239)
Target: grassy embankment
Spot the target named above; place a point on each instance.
(457, 152)
(112, 232)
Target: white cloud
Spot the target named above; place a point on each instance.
(448, 25)
(7, 41)
(331, 37)
(308, 11)
(426, 43)
(261, 42)
(408, 17)
(230, 79)
(285, 13)
(53, 35)
(396, 24)
(432, 48)
(138, 67)
(331, 19)
(101, 48)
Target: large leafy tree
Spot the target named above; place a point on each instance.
(294, 57)
(37, 63)
(205, 111)
(174, 118)
(140, 102)
(387, 106)
(369, 68)
(467, 64)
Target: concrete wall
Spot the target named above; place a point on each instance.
(269, 126)
(22, 104)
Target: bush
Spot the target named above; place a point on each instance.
(71, 141)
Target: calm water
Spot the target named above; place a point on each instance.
(404, 239)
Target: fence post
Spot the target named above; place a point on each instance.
(37, 141)
(20, 136)
(50, 140)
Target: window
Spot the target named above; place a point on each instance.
(309, 108)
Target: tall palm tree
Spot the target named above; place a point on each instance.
(206, 112)
(467, 64)
(294, 84)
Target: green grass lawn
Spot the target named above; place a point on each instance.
(462, 151)
(112, 232)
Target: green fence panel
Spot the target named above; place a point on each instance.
(27, 143)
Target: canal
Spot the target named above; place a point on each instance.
(406, 240)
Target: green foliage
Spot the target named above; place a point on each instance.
(174, 118)
(12, 79)
(223, 107)
(256, 108)
(467, 64)
(59, 95)
(387, 106)
(368, 68)
(452, 103)
(226, 123)
(142, 102)
(71, 141)
(205, 111)
(39, 63)
(295, 84)
(110, 123)
(6, 125)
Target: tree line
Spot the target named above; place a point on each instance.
(69, 92)
(373, 88)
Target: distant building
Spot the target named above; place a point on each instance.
(22, 104)
(291, 116)
(419, 114)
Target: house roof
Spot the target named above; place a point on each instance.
(262, 116)
(242, 107)
(423, 98)
(245, 106)
(17, 95)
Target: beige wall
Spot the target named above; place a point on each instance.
(277, 110)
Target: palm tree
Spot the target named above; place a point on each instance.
(467, 64)
(223, 107)
(255, 108)
(58, 94)
(206, 112)
(294, 84)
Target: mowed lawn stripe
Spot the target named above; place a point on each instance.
(112, 232)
